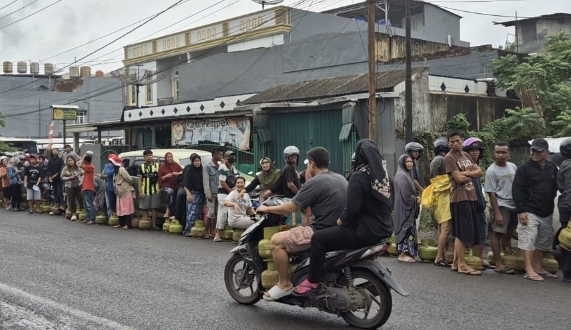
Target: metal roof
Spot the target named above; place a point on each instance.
(549, 16)
(330, 87)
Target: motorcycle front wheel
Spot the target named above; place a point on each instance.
(380, 296)
(239, 276)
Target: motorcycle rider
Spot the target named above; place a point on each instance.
(366, 219)
(414, 150)
(326, 194)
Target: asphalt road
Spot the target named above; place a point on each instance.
(57, 274)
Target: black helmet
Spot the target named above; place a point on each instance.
(565, 148)
(441, 145)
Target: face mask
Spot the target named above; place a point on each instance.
(231, 160)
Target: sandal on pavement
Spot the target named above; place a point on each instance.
(505, 270)
(305, 287)
(441, 263)
(407, 259)
(275, 293)
(469, 271)
(535, 278)
(488, 266)
(548, 275)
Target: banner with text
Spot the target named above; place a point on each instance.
(234, 131)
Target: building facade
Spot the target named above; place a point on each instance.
(531, 32)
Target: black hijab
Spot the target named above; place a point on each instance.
(368, 158)
(193, 177)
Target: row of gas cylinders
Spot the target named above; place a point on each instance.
(511, 258)
(270, 276)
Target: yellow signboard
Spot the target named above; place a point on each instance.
(64, 114)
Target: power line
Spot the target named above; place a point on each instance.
(109, 43)
(32, 14)
(8, 4)
(166, 69)
(17, 10)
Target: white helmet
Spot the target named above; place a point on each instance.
(413, 146)
(290, 150)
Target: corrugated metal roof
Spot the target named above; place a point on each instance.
(548, 16)
(329, 87)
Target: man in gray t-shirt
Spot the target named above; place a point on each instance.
(326, 194)
(499, 180)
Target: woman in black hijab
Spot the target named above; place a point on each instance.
(367, 216)
(194, 187)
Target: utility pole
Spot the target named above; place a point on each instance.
(372, 70)
(408, 80)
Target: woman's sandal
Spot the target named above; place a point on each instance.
(469, 271)
(505, 270)
(407, 259)
(535, 278)
(548, 275)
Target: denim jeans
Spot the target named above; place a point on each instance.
(110, 202)
(88, 200)
(57, 187)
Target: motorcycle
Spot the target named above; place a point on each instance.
(352, 283)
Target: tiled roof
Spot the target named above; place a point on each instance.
(329, 87)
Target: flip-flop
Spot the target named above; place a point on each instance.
(505, 270)
(441, 263)
(470, 272)
(535, 278)
(488, 266)
(276, 293)
(548, 275)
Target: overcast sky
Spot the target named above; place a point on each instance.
(71, 23)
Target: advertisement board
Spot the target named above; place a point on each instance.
(234, 131)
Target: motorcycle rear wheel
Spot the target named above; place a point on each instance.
(242, 279)
(381, 295)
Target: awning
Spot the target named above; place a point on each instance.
(345, 131)
(264, 135)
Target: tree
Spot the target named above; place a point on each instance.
(541, 82)
(3, 146)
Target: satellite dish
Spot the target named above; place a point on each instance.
(268, 2)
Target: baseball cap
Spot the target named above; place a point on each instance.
(228, 153)
(539, 145)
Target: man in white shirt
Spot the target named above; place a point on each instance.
(239, 209)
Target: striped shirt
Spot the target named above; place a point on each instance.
(149, 178)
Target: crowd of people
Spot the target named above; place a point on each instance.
(338, 212)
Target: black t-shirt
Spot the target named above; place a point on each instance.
(33, 173)
(289, 174)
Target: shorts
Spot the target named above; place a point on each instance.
(537, 234)
(150, 202)
(465, 222)
(212, 206)
(6, 192)
(445, 227)
(33, 195)
(297, 239)
(510, 220)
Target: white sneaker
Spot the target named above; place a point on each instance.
(73, 218)
(52, 213)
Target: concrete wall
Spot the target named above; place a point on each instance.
(531, 34)
(389, 48)
(315, 57)
(27, 109)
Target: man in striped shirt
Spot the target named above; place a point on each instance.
(148, 175)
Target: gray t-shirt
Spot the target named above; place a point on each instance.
(245, 203)
(326, 195)
(227, 175)
(499, 180)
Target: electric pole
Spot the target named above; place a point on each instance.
(408, 80)
(372, 70)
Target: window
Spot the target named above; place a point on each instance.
(131, 95)
(149, 93)
(175, 89)
(81, 117)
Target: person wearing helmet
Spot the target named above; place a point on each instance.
(289, 184)
(415, 149)
(463, 198)
(475, 148)
(436, 197)
(564, 203)
(499, 181)
(534, 190)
